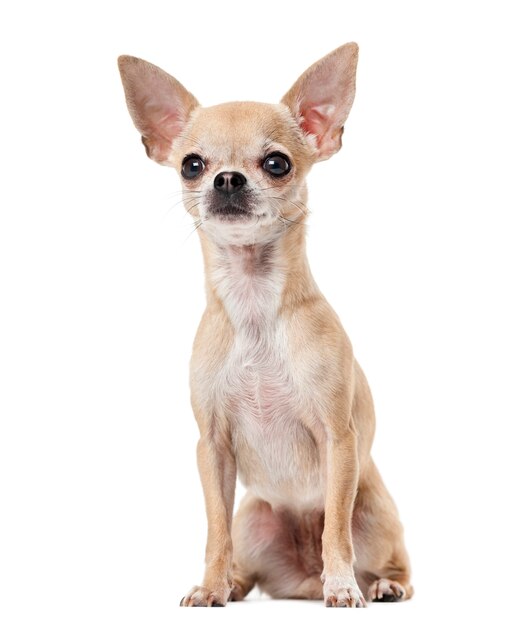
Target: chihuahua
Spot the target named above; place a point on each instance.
(277, 394)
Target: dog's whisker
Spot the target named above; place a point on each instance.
(275, 187)
(191, 207)
(179, 202)
(197, 225)
(304, 214)
(178, 192)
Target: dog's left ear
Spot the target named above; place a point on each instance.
(322, 98)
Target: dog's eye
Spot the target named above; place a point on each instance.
(277, 164)
(192, 166)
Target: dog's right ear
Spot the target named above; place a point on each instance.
(159, 105)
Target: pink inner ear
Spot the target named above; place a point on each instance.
(317, 120)
(167, 126)
(160, 125)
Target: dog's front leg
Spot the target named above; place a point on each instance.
(339, 584)
(217, 468)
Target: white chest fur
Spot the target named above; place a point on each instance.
(259, 387)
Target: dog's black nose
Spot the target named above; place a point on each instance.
(229, 182)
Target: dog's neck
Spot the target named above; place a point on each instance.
(255, 283)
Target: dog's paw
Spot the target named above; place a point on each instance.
(385, 590)
(201, 596)
(343, 592)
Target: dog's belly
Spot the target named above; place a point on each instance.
(277, 455)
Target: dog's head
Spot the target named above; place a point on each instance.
(243, 164)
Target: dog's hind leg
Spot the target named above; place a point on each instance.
(382, 563)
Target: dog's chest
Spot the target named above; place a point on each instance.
(256, 377)
(259, 389)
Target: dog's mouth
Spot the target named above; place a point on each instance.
(239, 206)
(229, 212)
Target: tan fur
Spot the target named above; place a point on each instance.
(278, 396)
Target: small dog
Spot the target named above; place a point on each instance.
(278, 396)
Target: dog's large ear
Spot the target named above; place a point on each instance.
(322, 97)
(159, 105)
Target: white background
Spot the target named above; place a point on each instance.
(415, 238)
